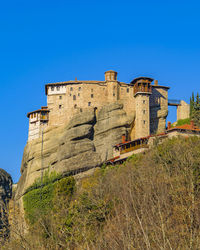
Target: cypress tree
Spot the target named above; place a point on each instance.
(192, 104)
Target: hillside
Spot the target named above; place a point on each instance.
(149, 202)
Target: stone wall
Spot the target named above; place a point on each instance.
(183, 111)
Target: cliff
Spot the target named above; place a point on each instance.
(5, 196)
(82, 144)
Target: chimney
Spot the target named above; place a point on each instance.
(168, 125)
(75, 79)
(156, 82)
(123, 138)
(192, 123)
(44, 107)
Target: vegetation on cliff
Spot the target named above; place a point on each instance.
(195, 109)
(149, 202)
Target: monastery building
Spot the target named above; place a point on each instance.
(143, 99)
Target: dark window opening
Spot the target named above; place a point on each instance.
(60, 106)
(79, 88)
(89, 103)
(74, 97)
(92, 95)
(52, 88)
(127, 90)
(78, 94)
(75, 106)
(71, 89)
(60, 97)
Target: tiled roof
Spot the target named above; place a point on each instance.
(186, 127)
(37, 111)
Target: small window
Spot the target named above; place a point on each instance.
(31, 115)
(79, 88)
(127, 90)
(81, 110)
(60, 106)
(74, 97)
(78, 94)
(92, 95)
(70, 94)
(89, 103)
(60, 97)
(34, 115)
(71, 89)
(143, 101)
(75, 106)
(144, 122)
(113, 94)
(52, 88)
(58, 88)
(144, 111)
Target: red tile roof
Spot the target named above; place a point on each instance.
(186, 127)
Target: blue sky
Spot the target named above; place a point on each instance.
(46, 41)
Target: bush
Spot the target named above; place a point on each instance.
(183, 122)
(40, 201)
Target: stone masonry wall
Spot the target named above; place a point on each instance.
(183, 111)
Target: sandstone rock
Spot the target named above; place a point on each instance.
(87, 117)
(82, 144)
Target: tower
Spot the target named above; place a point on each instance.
(142, 90)
(113, 86)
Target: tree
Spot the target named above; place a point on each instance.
(192, 104)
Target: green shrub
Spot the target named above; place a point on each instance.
(40, 200)
(183, 122)
(45, 180)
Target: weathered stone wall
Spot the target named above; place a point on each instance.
(183, 111)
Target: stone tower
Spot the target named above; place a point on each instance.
(113, 86)
(142, 90)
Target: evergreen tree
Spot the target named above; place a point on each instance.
(197, 101)
(195, 109)
(192, 103)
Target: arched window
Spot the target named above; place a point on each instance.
(74, 97)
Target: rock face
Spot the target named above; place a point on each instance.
(82, 144)
(5, 196)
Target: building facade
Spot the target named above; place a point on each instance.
(143, 98)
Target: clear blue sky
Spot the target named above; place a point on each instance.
(46, 41)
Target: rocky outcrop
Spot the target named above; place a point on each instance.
(112, 122)
(82, 144)
(5, 196)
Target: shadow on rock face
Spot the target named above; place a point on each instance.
(5, 195)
